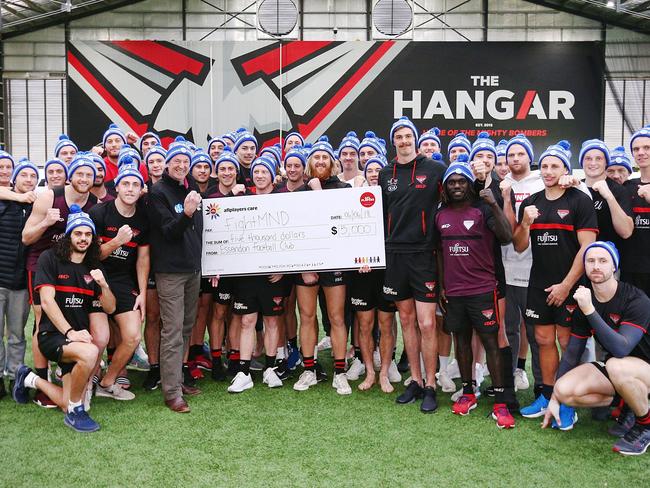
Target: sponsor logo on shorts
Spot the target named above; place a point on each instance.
(97, 304)
(430, 285)
(367, 199)
(468, 224)
(616, 318)
(488, 313)
(88, 279)
(389, 291)
(547, 239)
(239, 306)
(63, 277)
(571, 308)
(562, 213)
(531, 313)
(358, 302)
(224, 296)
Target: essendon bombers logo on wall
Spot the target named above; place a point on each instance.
(203, 89)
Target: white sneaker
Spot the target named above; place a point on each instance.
(376, 360)
(306, 379)
(394, 376)
(340, 382)
(271, 378)
(325, 343)
(139, 361)
(241, 382)
(114, 391)
(521, 380)
(459, 393)
(355, 370)
(452, 369)
(445, 382)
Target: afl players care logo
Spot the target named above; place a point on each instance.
(367, 199)
(213, 210)
(562, 213)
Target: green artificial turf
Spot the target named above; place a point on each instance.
(280, 437)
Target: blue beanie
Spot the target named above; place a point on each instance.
(231, 136)
(297, 152)
(97, 159)
(200, 156)
(76, 218)
(6, 155)
(80, 161)
(483, 143)
(501, 148)
(438, 157)
(559, 150)
(619, 158)
(460, 140)
(129, 151)
(55, 161)
(349, 141)
(430, 135)
(594, 144)
(379, 159)
(403, 121)
(178, 147)
(458, 168)
(157, 149)
(267, 163)
(62, 142)
(227, 156)
(372, 141)
(322, 144)
(244, 136)
(144, 136)
(523, 141)
(274, 152)
(128, 169)
(113, 130)
(608, 246)
(644, 132)
(24, 163)
(302, 139)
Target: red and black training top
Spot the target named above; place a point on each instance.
(636, 258)
(120, 264)
(554, 234)
(76, 293)
(56, 231)
(629, 307)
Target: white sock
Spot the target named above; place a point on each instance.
(72, 405)
(444, 362)
(281, 353)
(30, 380)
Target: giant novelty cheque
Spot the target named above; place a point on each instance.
(293, 232)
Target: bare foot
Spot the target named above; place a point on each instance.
(367, 383)
(386, 387)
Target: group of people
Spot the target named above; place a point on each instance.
(484, 253)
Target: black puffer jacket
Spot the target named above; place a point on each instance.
(13, 216)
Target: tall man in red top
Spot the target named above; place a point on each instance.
(635, 264)
(113, 141)
(468, 228)
(558, 224)
(410, 190)
(44, 227)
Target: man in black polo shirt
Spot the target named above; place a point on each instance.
(72, 288)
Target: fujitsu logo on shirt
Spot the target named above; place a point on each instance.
(120, 253)
(547, 238)
(459, 250)
(641, 223)
(74, 301)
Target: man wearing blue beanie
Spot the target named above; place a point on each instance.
(620, 166)
(410, 190)
(635, 265)
(617, 314)
(558, 224)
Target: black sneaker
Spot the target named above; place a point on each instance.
(429, 402)
(321, 375)
(187, 377)
(624, 422)
(3, 391)
(635, 441)
(403, 364)
(217, 373)
(413, 392)
(152, 380)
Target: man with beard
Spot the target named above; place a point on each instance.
(558, 224)
(468, 228)
(99, 189)
(14, 298)
(113, 140)
(123, 228)
(410, 188)
(619, 318)
(73, 289)
(620, 167)
(44, 227)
